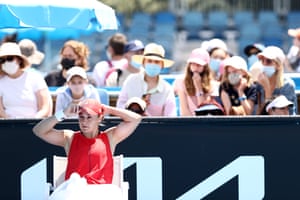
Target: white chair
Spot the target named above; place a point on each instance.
(60, 164)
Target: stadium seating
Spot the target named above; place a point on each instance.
(242, 17)
(217, 21)
(293, 19)
(192, 23)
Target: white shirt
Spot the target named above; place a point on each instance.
(101, 69)
(162, 100)
(19, 94)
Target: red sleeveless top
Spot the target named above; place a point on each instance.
(91, 158)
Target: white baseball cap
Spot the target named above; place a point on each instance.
(136, 100)
(76, 71)
(273, 53)
(279, 102)
(236, 62)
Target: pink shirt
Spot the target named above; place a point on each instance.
(192, 100)
(162, 100)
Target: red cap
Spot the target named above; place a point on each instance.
(91, 106)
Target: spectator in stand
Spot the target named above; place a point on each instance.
(23, 93)
(238, 93)
(34, 56)
(254, 68)
(115, 59)
(73, 53)
(148, 85)
(198, 86)
(272, 77)
(137, 105)
(218, 52)
(279, 106)
(117, 77)
(76, 90)
(251, 52)
(293, 55)
(29, 49)
(8, 38)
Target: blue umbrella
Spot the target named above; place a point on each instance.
(47, 20)
(74, 14)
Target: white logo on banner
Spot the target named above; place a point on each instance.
(249, 169)
(148, 176)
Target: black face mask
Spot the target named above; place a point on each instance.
(67, 63)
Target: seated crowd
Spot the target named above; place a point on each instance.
(214, 81)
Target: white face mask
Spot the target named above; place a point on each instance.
(10, 67)
(77, 89)
(234, 78)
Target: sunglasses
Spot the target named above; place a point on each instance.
(8, 58)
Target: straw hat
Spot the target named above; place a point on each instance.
(29, 49)
(155, 52)
(12, 49)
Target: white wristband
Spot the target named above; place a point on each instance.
(60, 115)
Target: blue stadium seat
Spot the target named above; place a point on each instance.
(242, 17)
(139, 27)
(293, 19)
(251, 31)
(142, 20)
(193, 22)
(242, 43)
(177, 105)
(121, 20)
(267, 17)
(273, 35)
(217, 21)
(103, 94)
(164, 17)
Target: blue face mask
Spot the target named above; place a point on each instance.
(135, 65)
(215, 64)
(251, 60)
(152, 70)
(268, 70)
